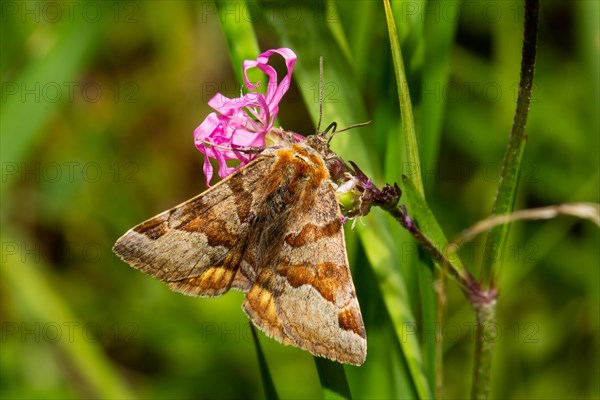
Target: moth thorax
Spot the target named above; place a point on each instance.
(309, 165)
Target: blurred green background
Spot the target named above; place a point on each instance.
(99, 101)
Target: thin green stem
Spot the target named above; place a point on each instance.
(511, 165)
(440, 289)
(484, 300)
(484, 303)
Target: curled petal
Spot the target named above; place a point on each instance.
(275, 90)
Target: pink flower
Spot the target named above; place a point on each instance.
(244, 121)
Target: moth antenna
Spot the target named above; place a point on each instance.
(334, 132)
(354, 126)
(241, 149)
(320, 93)
(333, 126)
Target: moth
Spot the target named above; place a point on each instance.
(273, 230)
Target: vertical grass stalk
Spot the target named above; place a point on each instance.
(483, 296)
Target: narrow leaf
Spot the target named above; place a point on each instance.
(408, 123)
(333, 379)
(265, 374)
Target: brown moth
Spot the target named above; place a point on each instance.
(274, 231)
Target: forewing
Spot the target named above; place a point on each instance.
(306, 297)
(198, 247)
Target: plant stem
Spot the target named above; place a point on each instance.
(511, 165)
(440, 289)
(484, 304)
(483, 300)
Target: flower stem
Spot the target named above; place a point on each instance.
(511, 165)
(483, 302)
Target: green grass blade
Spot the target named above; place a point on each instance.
(267, 380)
(408, 123)
(333, 379)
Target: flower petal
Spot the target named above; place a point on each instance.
(275, 90)
(244, 121)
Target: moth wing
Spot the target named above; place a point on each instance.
(306, 297)
(198, 247)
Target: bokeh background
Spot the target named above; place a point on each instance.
(99, 101)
